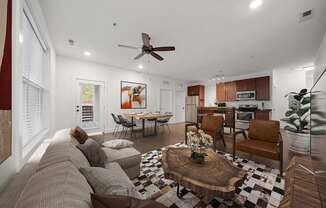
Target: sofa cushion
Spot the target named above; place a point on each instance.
(118, 144)
(109, 201)
(79, 134)
(63, 136)
(61, 152)
(110, 180)
(57, 186)
(93, 152)
(126, 157)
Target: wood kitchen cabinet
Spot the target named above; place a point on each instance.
(262, 88)
(230, 91)
(197, 90)
(245, 85)
(220, 92)
(262, 115)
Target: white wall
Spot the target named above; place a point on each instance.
(320, 61)
(285, 81)
(14, 163)
(69, 69)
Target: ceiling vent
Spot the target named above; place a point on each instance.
(306, 15)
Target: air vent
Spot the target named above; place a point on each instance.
(306, 15)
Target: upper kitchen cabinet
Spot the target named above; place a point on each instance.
(262, 88)
(230, 91)
(198, 90)
(245, 85)
(220, 92)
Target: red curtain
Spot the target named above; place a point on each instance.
(6, 65)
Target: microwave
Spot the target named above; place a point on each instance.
(246, 95)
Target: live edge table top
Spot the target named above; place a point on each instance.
(215, 177)
(146, 116)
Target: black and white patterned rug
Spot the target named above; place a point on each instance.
(262, 188)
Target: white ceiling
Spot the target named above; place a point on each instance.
(209, 36)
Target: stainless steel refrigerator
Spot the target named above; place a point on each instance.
(192, 103)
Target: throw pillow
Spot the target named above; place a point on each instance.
(93, 152)
(113, 182)
(79, 134)
(109, 201)
(118, 144)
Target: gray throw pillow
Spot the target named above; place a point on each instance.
(110, 181)
(93, 152)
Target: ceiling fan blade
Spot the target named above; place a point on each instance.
(139, 56)
(146, 39)
(127, 46)
(155, 55)
(166, 48)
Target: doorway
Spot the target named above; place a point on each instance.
(166, 101)
(89, 108)
(180, 113)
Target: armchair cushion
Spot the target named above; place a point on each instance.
(260, 148)
(267, 131)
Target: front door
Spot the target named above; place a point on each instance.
(89, 105)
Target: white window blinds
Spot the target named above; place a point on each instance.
(35, 70)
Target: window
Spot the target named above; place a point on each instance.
(35, 82)
(87, 102)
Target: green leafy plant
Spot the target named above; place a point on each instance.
(297, 118)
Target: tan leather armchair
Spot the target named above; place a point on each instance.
(264, 139)
(212, 125)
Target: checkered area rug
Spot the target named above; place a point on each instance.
(262, 188)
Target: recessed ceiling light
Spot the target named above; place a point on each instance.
(21, 38)
(87, 53)
(140, 66)
(255, 4)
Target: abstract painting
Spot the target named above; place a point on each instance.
(133, 95)
(5, 79)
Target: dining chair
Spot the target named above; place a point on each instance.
(164, 122)
(126, 125)
(117, 123)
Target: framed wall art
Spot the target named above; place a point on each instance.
(133, 95)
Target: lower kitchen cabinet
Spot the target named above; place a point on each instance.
(263, 115)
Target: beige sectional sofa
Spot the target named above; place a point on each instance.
(58, 183)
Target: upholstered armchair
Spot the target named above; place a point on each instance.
(264, 139)
(211, 125)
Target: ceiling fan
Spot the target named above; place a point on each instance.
(147, 48)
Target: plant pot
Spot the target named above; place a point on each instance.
(299, 143)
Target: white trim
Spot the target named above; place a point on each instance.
(27, 12)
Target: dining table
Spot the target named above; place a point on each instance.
(143, 117)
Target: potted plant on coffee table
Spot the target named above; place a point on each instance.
(297, 120)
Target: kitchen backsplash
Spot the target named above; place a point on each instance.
(267, 104)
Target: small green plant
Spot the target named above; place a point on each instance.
(198, 155)
(297, 118)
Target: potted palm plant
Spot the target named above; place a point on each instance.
(297, 119)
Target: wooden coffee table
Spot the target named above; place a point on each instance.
(216, 177)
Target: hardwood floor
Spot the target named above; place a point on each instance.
(177, 134)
